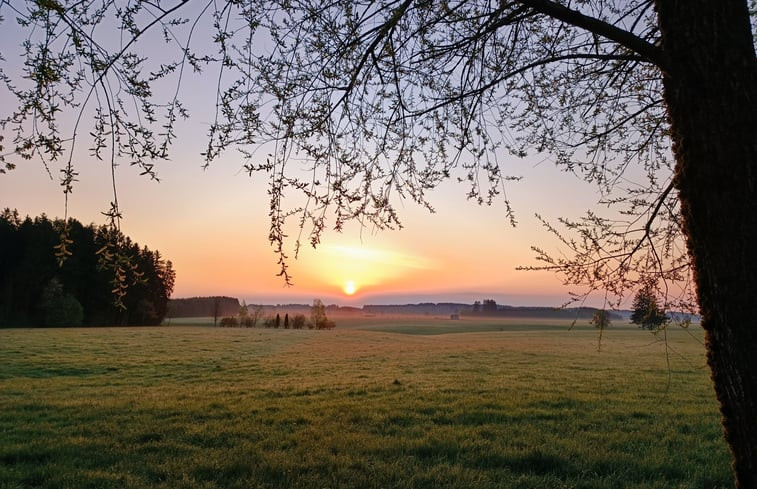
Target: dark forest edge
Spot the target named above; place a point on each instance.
(102, 278)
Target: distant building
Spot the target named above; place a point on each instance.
(454, 316)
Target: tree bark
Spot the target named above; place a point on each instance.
(710, 80)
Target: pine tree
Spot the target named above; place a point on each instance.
(647, 311)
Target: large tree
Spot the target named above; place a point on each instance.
(364, 103)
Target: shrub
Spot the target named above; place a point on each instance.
(327, 324)
(59, 308)
(298, 321)
(229, 322)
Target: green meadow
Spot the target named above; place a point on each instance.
(375, 403)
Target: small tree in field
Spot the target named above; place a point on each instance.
(647, 311)
(601, 319)
(317, 314)
(216, 310)
(244, 315)
(255, 314)
(318, 317)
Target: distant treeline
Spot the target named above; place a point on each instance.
(228, 306)
(56, 273)
(194, 307)
(488, 308)
(443, 308)
(544, 312)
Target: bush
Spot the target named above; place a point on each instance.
(72, 313)
(59, 308)
(298, 321)
(327, 324)
(229, 322)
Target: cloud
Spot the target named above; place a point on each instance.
(381, 257)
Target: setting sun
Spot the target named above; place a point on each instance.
(355, 269)
(349, 287)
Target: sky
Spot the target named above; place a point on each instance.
(213, 225)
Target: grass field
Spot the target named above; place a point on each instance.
(406, 403)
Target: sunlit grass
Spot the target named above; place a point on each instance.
(200, 407)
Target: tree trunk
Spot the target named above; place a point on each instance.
(710, 80)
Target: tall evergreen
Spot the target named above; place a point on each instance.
(647, 312)
(36, 289)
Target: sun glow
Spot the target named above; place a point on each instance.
(349, 287)
(357, 270)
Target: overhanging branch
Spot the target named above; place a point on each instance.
(599, 27)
